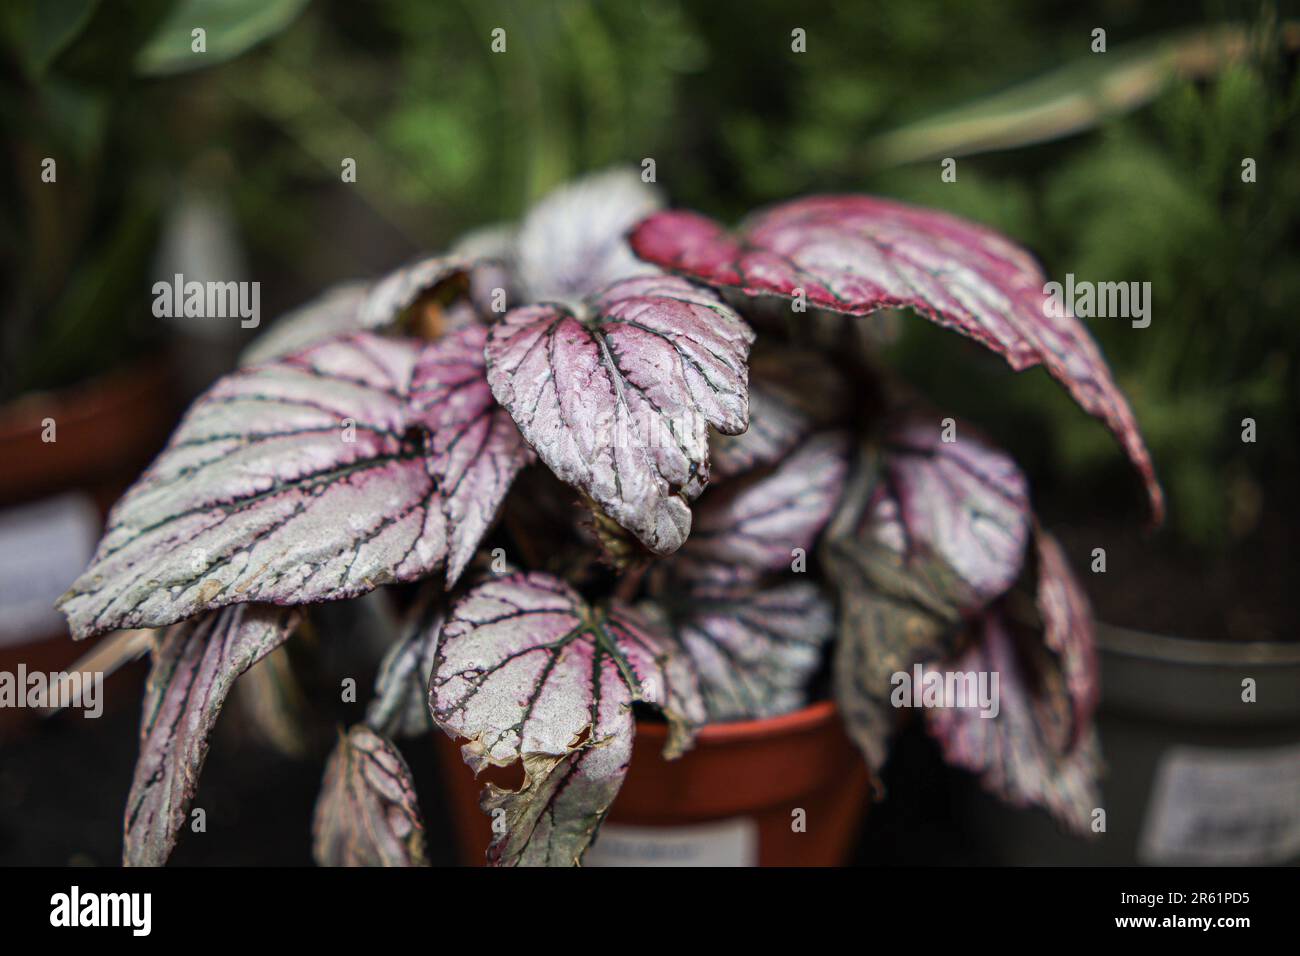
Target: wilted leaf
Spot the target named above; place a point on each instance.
(617, 398)
(272, 706)
(475, 450)
(929, 533)
(300, 480)
(526, 671)
(1015, 753)
(367, 813)
(882, 635)
(572, 244)
(554, 816)
(194, 666)
(400, 707)
(857, 254)
(1065, 617)
(791, 393)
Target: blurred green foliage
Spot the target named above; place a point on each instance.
(448, 135)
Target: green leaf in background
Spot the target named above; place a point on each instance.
(39, 30)
(233, 26)
(1075, 97)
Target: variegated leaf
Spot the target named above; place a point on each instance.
(1065, 617)
(493, 250)
(962, 501)
(761, 521)
(398, 290)
(474, 448)
(754, 643)
(367, 813)
(791, 394)
(1015, 752)
(300, 480)
(526, 671)
(928, 534)
(754, 648)
(321, 475)
(194, 666)
(572, 244)
(333, 313)
(555, 815)
(400, 707)
(353, 307)
(617, 400)
(858, 254)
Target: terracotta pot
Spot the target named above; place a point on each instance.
(54, 496)
(731, 800)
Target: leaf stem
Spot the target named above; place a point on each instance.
(630, 583)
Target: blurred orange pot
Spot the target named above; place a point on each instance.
(786, 791)
(54, 496)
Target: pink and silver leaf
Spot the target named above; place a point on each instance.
(400, 707)
(195, 664)
(527, 672)
(354, 307)
(389, 296)
(475, 450)
(367, 813)
(963, 501)
(761, 521)
(928, 533)
(1015, 752)
(333, 313)
(754, 649)
(617, 398)
(573, 243)
(296, 481)
(859, 254)
(791, 394)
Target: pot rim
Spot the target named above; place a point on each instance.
(1183, 650)
(86, 399)
(806, 718)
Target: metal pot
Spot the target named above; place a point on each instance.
(1196, 772)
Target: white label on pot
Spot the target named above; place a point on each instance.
(43, 547)
(1224, 807)
(727, 843)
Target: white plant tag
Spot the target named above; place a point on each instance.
(43, 547)
(1223, 807)
(726, 843)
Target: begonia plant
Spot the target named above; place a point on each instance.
(616, 481)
